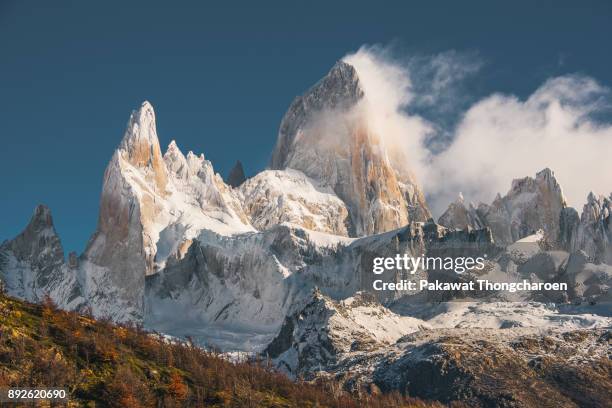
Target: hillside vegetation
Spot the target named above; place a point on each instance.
(103, 364)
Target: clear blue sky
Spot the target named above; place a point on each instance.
(221, 75)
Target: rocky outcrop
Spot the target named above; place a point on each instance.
(324, 330)
(460, 216)
(327, 136)
(236, 175)
(591, 232)
(32, 264)
(594, 233)
(532, 204)
(39, 243)
(482, 368)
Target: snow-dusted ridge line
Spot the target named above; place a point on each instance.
(183, 252)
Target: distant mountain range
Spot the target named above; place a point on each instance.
(281, 262)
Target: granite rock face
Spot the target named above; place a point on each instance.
(151, 207)
(338, 90)
(593, 233)
(326, 135)
(532, 204)
(32, 264)
(460, 216)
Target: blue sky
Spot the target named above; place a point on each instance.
(221, 75)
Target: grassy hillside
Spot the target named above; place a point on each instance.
(102, 364)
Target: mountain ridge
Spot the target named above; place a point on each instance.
(282, 262)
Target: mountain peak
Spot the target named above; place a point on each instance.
(324, 137)
(39, 240)
(339, 89)
(140, 144)
(545, 173)
(42, 217)
(172, 146)
(141, 129)
(236, 176)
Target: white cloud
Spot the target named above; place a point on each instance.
(498, 138)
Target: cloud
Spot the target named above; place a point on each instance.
(492, 140)
(502, 137)
(388, 91)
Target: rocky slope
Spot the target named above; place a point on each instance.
(274, 197)
(466, 352)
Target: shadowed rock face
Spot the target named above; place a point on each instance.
(39, 250)
(236, 176)
(32, 264)
(532, 204)
(593, 232)
(39, 242)
(326, 135)
(338, 90)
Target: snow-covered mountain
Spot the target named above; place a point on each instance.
(152, 206)
(274, 197)
(281, 262)
(33, 267)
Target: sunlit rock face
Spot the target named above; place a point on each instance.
(327, 136)
(151, 207)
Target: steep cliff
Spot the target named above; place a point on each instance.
(327, 135)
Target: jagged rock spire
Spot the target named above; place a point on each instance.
(340, 88)
(236, 176)
(140, 144)
(39, 239)
(530, 205)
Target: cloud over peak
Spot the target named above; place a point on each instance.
(494, 139)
